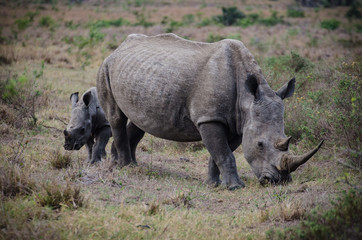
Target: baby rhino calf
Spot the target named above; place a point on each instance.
(88, 125)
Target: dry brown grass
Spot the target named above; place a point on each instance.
(60, 160)
(165, 196)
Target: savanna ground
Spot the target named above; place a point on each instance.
(50, 49)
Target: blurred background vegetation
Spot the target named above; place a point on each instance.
(51, 48)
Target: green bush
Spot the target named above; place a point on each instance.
(346, 106)
(142, 19)
(343, 221)
(230, 16)
(358, 28)
(331, 24)
(205, 22)
(46, 21)
(295, 12)
(353, 12)
(214, 38)
(110, 23)
(273, 20)
(22, 94)
(249, 20)
(22, 23)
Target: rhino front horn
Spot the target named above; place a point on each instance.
(290, 163)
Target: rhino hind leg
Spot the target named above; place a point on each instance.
(214, 136)
(99, 148)
(135, 134)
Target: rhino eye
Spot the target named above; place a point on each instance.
(82, 130)
(260, 145)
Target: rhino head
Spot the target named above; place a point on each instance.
(79, 128)
(265, 145)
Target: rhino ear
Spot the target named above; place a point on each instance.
(74, 98)
(287, 90)
(87, 98)
(252, 85)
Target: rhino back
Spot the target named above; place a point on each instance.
(167, 86)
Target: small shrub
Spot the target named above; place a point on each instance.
(230, 16)
(56, 196)
(22, 94)
(95, 34)
(142, 19)
(46, 21)
(214, 38)
(60, 160)
(353, 12)
(358, 28)
(71, 25)
(22, 23)
(250, 20)
(299, 63)
(346, 212)
(181, 199)
(273, 20)
(346, 107)
(111, 23)
(295, 13)
(153, 209)
(14, 181)
(331, 24)
(188, 19)
(205, 22)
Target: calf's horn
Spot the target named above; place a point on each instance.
(282, 144)
(290, 163)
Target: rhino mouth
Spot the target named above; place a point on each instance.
(70, 147)
(274, 177)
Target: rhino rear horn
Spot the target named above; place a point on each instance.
(74, 98)
(282, 144)
(290, 163)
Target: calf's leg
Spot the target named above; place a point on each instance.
(89, 146)
(99, 148)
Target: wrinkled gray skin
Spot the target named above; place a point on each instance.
(187, 91)
(87, 125)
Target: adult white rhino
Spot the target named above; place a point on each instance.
(183, 90)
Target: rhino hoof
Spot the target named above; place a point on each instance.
(213, 182)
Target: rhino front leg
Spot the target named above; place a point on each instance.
(99, 149)
(89, 146)
(214, 171)
(213, 178)
(214, 136)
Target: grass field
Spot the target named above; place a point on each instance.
(50, 49)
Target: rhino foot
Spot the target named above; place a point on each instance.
(233, 183)
(213, 182)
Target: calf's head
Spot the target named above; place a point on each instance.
(265, 145)
(80, 125)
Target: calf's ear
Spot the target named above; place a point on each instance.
(252, 85)
(287, 90)
(87, 98)
(74, 98)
